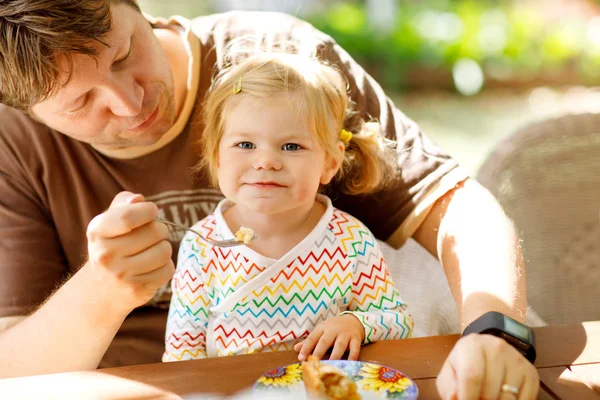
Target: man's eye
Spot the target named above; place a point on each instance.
(246, 145)
(125, 57)
(79, 107)
(291, 147)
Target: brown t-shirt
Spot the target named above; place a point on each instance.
(51, 186)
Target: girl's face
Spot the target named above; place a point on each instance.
(269, 161)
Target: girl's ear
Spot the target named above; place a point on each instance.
(333, 162)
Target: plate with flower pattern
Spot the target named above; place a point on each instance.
(373, 381)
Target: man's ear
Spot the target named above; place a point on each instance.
(333, 163)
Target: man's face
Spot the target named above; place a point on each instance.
(125, 98)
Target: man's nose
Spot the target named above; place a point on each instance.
(267, 159)
(126, 98)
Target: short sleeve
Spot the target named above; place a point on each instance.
(32, 262)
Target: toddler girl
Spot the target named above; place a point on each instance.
(277, 131)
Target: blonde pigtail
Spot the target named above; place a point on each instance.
(369, 162)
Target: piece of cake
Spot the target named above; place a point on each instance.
(244, 235)
(326, 382)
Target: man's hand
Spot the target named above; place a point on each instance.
(129, 258)
(343, 332)
(479, 365)
(129, 252)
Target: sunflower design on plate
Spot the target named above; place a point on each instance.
(377, 378)
(282, 377)
(374, 381)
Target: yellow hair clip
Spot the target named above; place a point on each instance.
(237, 86)
(345, 136)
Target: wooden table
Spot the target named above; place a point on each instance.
(568, 362)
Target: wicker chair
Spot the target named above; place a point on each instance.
(547, 178)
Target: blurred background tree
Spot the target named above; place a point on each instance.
(469, 71)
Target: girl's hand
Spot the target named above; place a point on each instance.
(343, 332)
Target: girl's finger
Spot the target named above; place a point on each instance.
(298, 346)
(309, 344)
(340, 346)
(354, 349)
(324, 344)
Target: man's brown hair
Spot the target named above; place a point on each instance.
(34, 34)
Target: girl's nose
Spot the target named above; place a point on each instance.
(267, 159)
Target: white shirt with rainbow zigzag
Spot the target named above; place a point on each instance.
(230, 301)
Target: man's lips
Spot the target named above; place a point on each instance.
(147, 122)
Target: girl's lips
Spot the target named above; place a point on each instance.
(266, 185)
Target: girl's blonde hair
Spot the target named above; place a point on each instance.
(320, 95)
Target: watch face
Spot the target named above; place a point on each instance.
(516, 329)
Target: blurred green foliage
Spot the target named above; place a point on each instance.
(510, 43)
(514, 42)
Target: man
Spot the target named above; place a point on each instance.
(101, 109)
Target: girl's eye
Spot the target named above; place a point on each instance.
(291, 147)
(246, 145)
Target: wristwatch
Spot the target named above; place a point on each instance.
(518, 335)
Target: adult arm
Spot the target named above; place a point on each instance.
(129, 258)
(479, 250)
(458, 221)
(470, 234)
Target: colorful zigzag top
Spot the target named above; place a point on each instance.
(236, 301)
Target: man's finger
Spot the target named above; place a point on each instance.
(124, 198)
(468, 362)
(139, 240)
(495, 366)
(518, 373)
(531, 386)
(121, 220)
(157, 277)
(446, 382)
(149, 259)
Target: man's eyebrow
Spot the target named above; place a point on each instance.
(68, 105)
